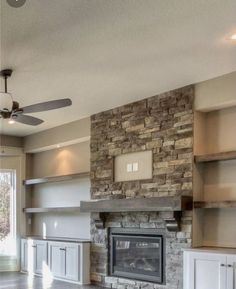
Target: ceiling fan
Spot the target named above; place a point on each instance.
(11, 110)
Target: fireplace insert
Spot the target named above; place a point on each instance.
(137, 254)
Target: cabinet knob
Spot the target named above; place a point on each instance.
(62, 249)
(230, 266)
(33, 246)
(222, 265)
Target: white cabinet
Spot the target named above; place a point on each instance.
(70, 261)
(55, 256)
(231, 272)
(40, 256)
(24, 255)
(64, 260)
(208, 270)
(33, 256)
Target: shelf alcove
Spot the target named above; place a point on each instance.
(214, 178)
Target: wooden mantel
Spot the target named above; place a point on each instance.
(160, 204)
(175, 204)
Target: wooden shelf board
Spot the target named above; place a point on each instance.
(215, 205)
(215, 157)
(56, 239)
(52, 210)
(55, 179)
(138, 204)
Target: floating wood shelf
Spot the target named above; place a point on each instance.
(156, 204)
(215, 157)
(215, 205)
(52, 210)
(55, 179)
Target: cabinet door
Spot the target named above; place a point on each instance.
(30, 255)
(57, 259)
(24, 255)
(40, 257)
(205, 271)
(72, 261)
(231, 272)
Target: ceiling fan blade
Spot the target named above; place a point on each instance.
(48, 105)
(26, 119)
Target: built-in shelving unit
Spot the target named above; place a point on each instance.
(214, 178)
(48, 196)
(52, 210)
(62, 178)
(221, 156)
(44, 180)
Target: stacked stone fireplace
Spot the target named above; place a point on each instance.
(163, 124)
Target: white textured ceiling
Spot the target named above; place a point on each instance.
(105, 53)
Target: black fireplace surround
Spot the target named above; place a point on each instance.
(137, 254)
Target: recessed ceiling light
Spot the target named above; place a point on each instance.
(11, 121)
(233, 37)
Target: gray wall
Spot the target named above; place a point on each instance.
(61, 161)
(216, 93)
(67, 134)
(11, 141)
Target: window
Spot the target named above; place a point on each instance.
(7, 213)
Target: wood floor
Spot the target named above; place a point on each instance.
(23, 281)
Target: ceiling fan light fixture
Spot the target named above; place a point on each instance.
(5, 101)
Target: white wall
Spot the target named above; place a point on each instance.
(216, 93)
(68, 193)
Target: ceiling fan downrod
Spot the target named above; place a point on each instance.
(5, 73)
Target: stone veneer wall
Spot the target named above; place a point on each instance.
(163, 124)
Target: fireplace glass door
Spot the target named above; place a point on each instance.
(137, 257)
